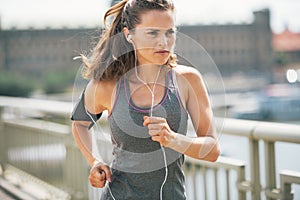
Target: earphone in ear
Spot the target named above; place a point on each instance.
(129, 38)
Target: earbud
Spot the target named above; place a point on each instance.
(129, 38)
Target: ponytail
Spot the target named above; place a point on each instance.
(113, 55)
(116, 9)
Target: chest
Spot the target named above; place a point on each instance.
(144, 97)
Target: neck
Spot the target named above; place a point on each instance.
(149, 73)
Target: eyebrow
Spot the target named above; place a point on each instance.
(155, 29)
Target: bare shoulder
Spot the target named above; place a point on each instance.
(187, 73)
(98, 95)
(100, 88)
(189, 80)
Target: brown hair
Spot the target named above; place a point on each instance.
(113, 56)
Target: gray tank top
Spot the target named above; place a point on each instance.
(138, 167)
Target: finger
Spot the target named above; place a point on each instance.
(98, 172)
(160, 140)
(154, 132)
(107, 172)
(97, 179)
(102, 169)
(97, 175)
(145, 117)
(157, 127)
(100, 175)
(146, 121)
(158, 131)
(153, 120)
(156, 138)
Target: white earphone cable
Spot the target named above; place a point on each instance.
(151, 112)
(97, 128)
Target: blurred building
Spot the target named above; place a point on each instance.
(42, 50)
(236, 47)
(233, 47)
(287, 47)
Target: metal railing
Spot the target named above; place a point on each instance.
(35, 136)
(195, 167)
(32, 141)
(269, 133)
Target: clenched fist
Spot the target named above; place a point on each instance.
(99, 174)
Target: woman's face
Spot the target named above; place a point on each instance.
(154, 37)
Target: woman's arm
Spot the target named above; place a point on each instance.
(205, 146)
(100, 172)
(94, 102)
(193, 92)
(82, 137)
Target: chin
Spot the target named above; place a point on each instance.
(160, 61)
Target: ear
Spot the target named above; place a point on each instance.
(126, 32)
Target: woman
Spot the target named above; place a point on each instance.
(148, 96)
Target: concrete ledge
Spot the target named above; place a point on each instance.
(28, 187)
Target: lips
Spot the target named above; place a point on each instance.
(162, 52)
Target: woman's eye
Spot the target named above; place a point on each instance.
(152, 33)
(170, 32)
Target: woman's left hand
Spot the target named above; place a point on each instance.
(159, 130)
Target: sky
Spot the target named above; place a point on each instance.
(89, 13)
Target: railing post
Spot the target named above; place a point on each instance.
(286, 191)
(287, 178)
(203, 171)
(240, 178)
(286, 188)
(194, 175)
(1, 109)
(270, 168)
(255, 171)
(216, 183)
(3, 148)
(227, 183)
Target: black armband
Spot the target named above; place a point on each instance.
(80, 113)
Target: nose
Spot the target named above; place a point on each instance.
(163, 40)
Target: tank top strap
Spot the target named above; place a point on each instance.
(173, 85)
(173, 77)
(119, 86)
